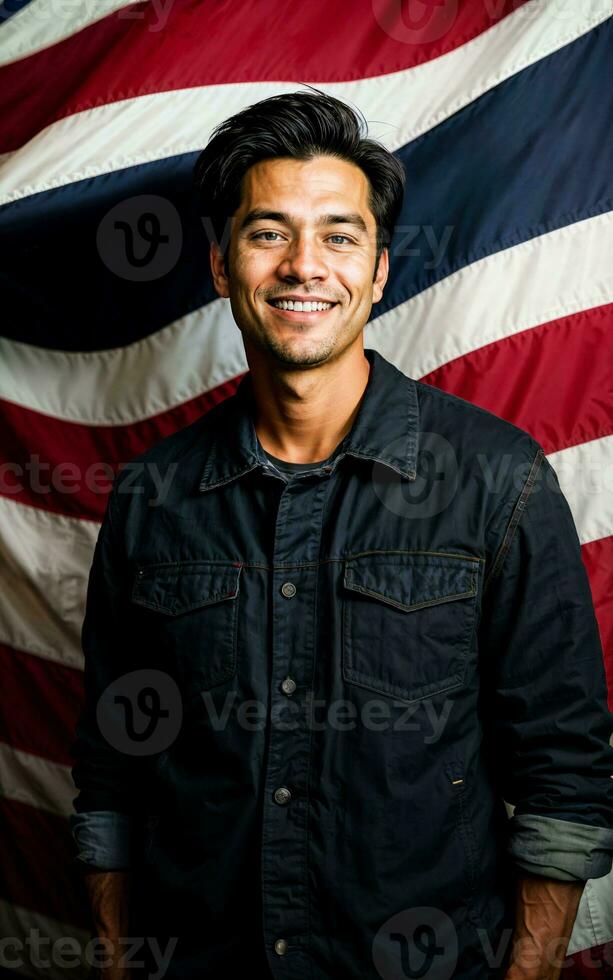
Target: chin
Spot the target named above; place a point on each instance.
(301, 352)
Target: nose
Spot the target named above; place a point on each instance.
(303, 259)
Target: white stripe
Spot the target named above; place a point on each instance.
(35, 781)
(151, 127)
(545, 278)
(585, 474)
(554, 275)
(44, 567)
(43, 23)
(43, 581)
(127, 384)
(24, 929)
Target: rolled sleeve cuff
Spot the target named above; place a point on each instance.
(102, 838)
(560, 848)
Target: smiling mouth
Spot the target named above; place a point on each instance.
(297, 311)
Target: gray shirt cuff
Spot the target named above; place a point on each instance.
(560, 848)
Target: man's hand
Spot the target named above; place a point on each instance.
(544, 918)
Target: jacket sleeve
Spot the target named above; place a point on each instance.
(545, 695)
(105, 771)
(102, 839)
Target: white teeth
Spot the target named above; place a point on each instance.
(299, 307)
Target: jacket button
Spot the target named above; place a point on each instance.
(288, 589)
(282, 795)
(288, 686)
(280, 947)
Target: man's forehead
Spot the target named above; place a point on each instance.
(297, 186)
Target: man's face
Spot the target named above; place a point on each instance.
(303, 229)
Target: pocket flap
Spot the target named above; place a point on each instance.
(411, 581)
(176, 587)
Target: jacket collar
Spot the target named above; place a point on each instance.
(385, 430)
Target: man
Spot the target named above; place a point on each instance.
(363, 603)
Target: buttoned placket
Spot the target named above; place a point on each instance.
(284, 854)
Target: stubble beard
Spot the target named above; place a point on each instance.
(304, 355)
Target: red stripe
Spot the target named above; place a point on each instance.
(40, 702)
(553, 380)
(133, 52)
(67, 468)
(37, 870)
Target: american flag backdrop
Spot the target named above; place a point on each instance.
(500, 291)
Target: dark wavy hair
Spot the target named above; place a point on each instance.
(299, 125)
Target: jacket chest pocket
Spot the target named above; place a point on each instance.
(407, 622)
(186, 616)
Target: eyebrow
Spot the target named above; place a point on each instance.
(258, 214)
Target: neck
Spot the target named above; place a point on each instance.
(302, 415)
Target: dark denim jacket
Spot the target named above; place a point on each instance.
(315, 696)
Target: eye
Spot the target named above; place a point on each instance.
(265, 233)
(341, 236)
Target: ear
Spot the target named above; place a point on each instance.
(220, 279)
(381, 276)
